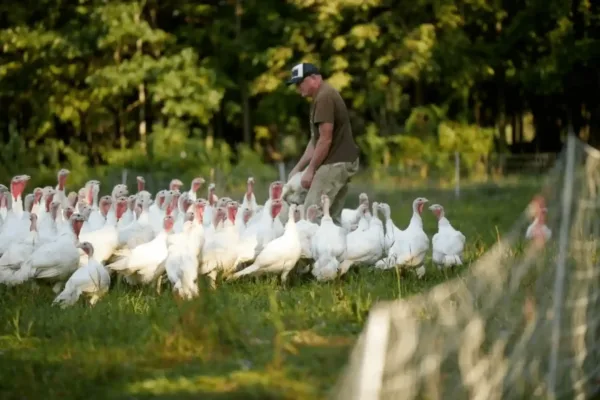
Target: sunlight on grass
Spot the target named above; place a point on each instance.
(252, 383)
(247, 339)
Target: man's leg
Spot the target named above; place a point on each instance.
(337, 204)
(329, 179)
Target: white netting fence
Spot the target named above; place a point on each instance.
(521, 324)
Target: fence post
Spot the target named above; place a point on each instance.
(559, 281)
(124, 176)
(281, 167)
(457, 174)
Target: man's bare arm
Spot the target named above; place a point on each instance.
(323, 144)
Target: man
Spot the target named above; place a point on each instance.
(331, 156)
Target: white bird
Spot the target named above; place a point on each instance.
(292, 191)
(92, 280)
(19, 251)
(448, 243)
(365, 245)
(328, 245)
(145, 263)
(54, 260)
(538, 230)
(182, 262)
(279, 255)
(408, 247)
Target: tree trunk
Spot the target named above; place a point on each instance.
(519, 131)
(243, 84)
(142, 129)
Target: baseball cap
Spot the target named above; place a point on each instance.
(301, 71)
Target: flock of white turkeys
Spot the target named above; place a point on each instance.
(77, 241)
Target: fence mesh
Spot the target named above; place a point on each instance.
(522, 324)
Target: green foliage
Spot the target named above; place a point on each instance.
(429, 145)
(130, 83)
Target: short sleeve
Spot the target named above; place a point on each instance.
(324, 111)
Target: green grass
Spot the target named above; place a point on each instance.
(251, 339)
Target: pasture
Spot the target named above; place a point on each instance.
(251, 339)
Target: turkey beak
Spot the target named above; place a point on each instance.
(432, 208)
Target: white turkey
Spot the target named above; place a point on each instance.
(194, 187)
(53, 261)
(409, 247)
(293, 192)
(106, 239)
(91, 280)
(538, 230)
(146, 262)
(351, 216)
(278, 256)
(448, 244)
(19, 251)
(365, 245)
(307, 227)
(328, 245)
(181, 264)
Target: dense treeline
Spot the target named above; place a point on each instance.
(172, 83)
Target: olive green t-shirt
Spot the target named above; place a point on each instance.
(328, 106)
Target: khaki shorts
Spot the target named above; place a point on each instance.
(332, 180)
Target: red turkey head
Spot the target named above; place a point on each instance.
(62, 178)
(247, 214)
(104, 205)
(131, 202)
(18, 184)
(232, 208)
(69, 211)
(87, 248)
(175, 184)
(250, 188)
(276, 206)
(437, 210)
(418, 204)
(37, 195)
(49, 198)
(199, 207)
(168, 223)
(121, 207)
(77, 221)
(212, 198)
(276, 190)
(160, 198)
(197, 184)
(141, 183)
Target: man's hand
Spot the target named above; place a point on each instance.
(307, 178)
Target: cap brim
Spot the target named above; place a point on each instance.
(293, 81)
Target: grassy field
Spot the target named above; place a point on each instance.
(250, 339)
